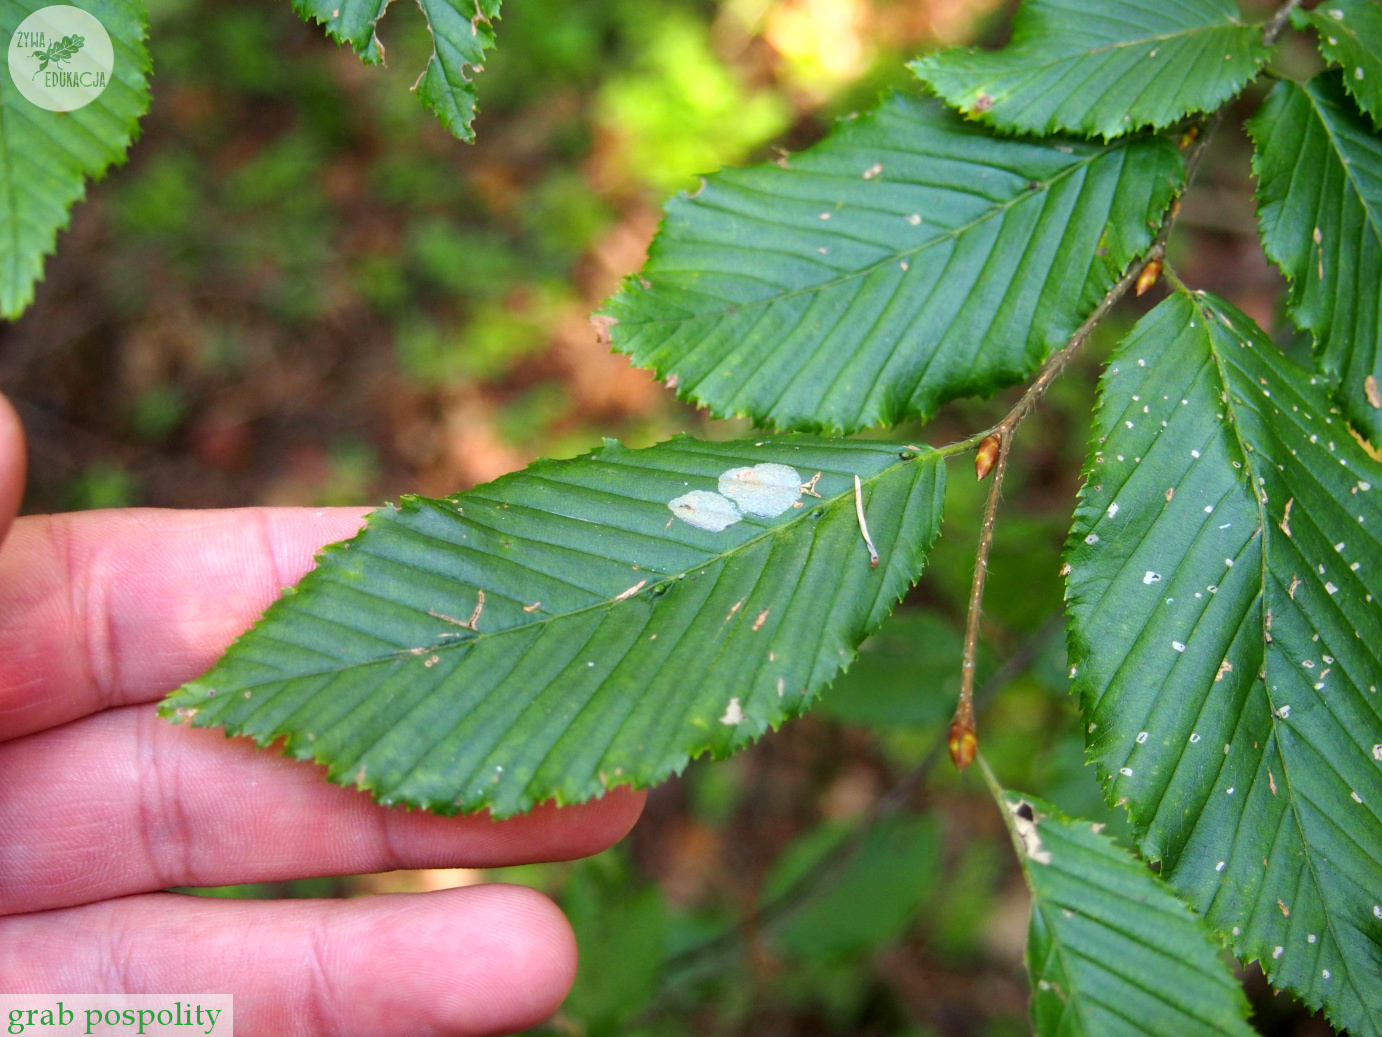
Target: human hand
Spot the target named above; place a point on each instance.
(102, 803)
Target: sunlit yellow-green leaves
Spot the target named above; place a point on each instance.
(680, 111)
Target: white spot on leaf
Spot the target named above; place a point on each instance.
(1024, 822)
(765, 490)
(734, 713)
(705, 510)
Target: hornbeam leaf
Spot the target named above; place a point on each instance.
(908, 259)
(1350, 33)
(462, 30)
(580, 624)
(1102, 67)
(1226, 640)
(1111, 951)
(47, 157)
(1319, 203)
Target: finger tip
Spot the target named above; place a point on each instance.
(12, 464)
(506, 958)
(547, 954)
(620, 810)
(582, 829)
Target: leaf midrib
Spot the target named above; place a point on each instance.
(1347, 166)
(1045, 186)
(1230, 413)
(937, 456)
(1140, 42)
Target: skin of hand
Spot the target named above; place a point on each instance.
(103, 804)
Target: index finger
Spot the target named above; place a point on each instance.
(111, 608)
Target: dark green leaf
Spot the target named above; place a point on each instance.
(1111, 951)
(1102, 67)
(908, 259)
(47, 157)
(867, 899)
(906, 674)
(616, 639)
(462, 30)
(1319, 203)
(622, 933)
(1225, 638)
(1350, 33)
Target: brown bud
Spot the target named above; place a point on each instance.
(1149, 276)
(1189, 137)
(964, 743)
(986, 456)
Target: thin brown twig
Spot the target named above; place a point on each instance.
(963, 737)
(891, 802)
(1274, 27)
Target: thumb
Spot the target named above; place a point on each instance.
(11, 465)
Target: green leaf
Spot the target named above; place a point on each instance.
(1350, 34)
(622, 932)
(906, 674)
(462, 30)
(1225, 639)
(1102, 67)
(869, 900)
(47, 157)
(1319, 203)
(1111, 951)
(907, 259)
(633, 617)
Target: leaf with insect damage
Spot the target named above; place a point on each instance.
(907, 259)
(580, 624)
(1102, 67)
(1227, 644)
(1350, 35)
(1111, 951)
(462, 30)
(1319, 204)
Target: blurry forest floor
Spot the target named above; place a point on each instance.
(301, 290)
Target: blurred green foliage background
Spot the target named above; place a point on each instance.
(301, 290)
